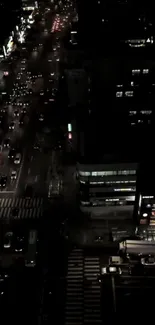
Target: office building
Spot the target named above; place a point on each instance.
(108, 189)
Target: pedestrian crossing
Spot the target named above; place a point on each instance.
(21, 202)
(74, 290)
(83, 291)
(92, 291)
(27, 208)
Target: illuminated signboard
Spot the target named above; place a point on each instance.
(70, 136)
(69, 127)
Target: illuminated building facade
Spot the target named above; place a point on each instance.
(108, 190)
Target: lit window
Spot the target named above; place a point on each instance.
(126, 172)
(119, 93)
(132, 112)
(119, 86)
(145, 71)
(135, 71)
(129, 93)
(81, 173)
(131, 189)
(146, 112)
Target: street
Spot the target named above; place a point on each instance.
(29, 137)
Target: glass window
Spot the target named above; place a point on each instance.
(135, 71)
(129, 93)
(119, 86)
(94, 173)
(132, 113)
(81, 173)
(145, 71)
(119, 93)
(146, 112)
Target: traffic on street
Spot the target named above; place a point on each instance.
(29, 138)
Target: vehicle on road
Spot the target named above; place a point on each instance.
(11, 126)
(19, 244)
(6, 143)
(30, 260)
(18, 158)
(8, 239)
(13, 175)
(15, 212)
(3, 181)
(16, 113)
(11, 153)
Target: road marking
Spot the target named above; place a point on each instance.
(19, 174)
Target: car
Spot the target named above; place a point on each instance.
(98, 239)
(149, 261)
(13, 175)
(17, 159)
(16, 113)
(11, 153)
(28, 191)
(11, 126)
(41, 92)
(3, 110)
(19, 242)
(19, 103)
(3, 181)
(41, 117)
(15, 212)
(36, 146)
(29, 92)
(8, 239)
(21, 120)
(1, 119)
(6, 143)
(27, 103)
(23, 111)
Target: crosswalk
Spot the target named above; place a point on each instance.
(27, 209)
(74, 290)
(21, 202)
(82, 289)
(92, 291)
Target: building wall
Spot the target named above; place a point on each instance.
(76, 86)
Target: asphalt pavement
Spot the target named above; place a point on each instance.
(38, 69)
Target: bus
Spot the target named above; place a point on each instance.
(30, 260)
